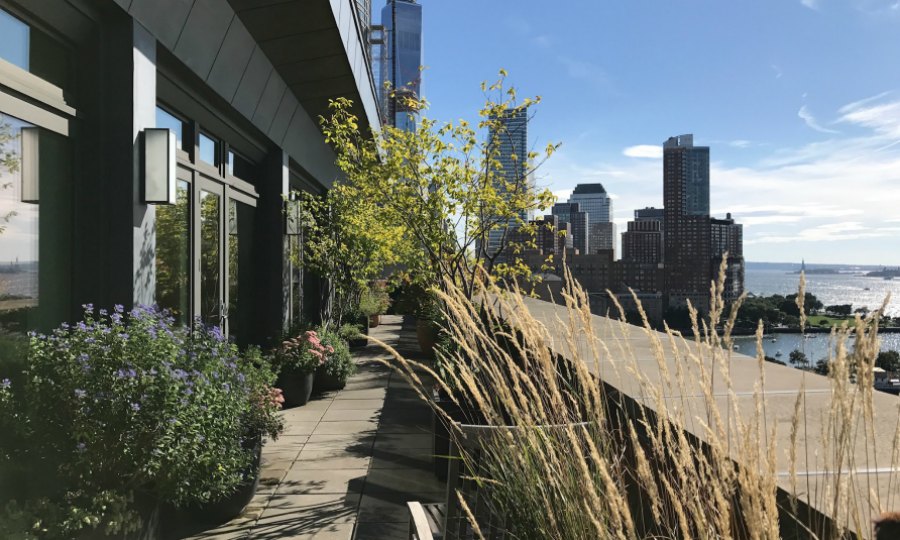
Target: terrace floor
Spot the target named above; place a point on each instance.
(348, 461)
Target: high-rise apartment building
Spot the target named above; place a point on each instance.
(686, 222)
(401, 58)
(571, 213)
(642, 242)
(727, 237)
(593, 199)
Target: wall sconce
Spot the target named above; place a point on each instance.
(31, 165)
(159, 166)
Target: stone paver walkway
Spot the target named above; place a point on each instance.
(347, 461)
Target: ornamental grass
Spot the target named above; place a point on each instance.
(620, 431)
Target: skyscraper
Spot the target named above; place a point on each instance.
(508, 138)
(593, 199)
(687, 245)
(401, 58)
(571, 213)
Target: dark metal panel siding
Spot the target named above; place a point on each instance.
(255, 77)
(283, 117)
(164, 18)
(305, 144)
(232, 60)
(203, 35)
(269, 102)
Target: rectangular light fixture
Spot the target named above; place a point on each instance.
(31, 165)
(159, 166)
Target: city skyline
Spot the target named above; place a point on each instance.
(802, 120)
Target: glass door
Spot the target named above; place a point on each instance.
(209, 291)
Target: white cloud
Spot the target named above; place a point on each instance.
(778, 72)
(740, 143)
(645, 151)
(874, 113)
(586, 71)
(811, 4)
(811, 121)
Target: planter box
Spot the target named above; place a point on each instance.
(297, 387)
(327, 383)
(361, 341)
(374, 320)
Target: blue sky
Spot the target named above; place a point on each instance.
(799, 101)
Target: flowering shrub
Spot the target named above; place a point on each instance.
(123, 411)
(303, 353)
(339, 363)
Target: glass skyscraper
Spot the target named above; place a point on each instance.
(510, 139)
(401, 56)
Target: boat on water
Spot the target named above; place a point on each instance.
(867, 289)
(810, 336)
(778, 354)
(736, 347)
(774, 340)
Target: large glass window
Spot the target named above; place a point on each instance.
(173, 254)
(35, 232)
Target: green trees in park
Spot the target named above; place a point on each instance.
(888, 361)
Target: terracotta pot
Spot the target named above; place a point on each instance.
(426, 336)
(297, 387)
(374, 320)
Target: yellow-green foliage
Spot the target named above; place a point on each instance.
(441, 189)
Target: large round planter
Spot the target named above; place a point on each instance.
(188, 521)
(374, 320)
(426, 336)
(325, 382)
(297, 387)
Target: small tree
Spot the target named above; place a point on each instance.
(445, 189)
(798, 358)
(346, 243)
(888, 361)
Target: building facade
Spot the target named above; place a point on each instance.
(642, 242)
(401, 21)
(727, 241)
(593, 199)
(85, 88)
(571, 213)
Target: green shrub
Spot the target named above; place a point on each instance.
(339, 363)
(349, 332)
(124, 411)
(374, 300)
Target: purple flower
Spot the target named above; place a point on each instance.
(79, 393)
(103, 312)
(81, 326)
(135, 407)
(189, 391)
(227, 387)
(119, 308)
(88, 308)
(179, 373)
(81, 447)
(5, 384)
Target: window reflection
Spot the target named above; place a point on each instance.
(19, 227)
(210, 296)
(168, 121)
(173, 254)
(208, 150)
(14, 39)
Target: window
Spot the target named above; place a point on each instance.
(32, 50)
(209, 150)
(167, 120)
(240, 167)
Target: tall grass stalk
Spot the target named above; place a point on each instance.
(628, 433)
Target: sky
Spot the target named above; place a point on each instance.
(798, 100)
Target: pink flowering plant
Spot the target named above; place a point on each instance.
(125, 411)
(303, 353)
